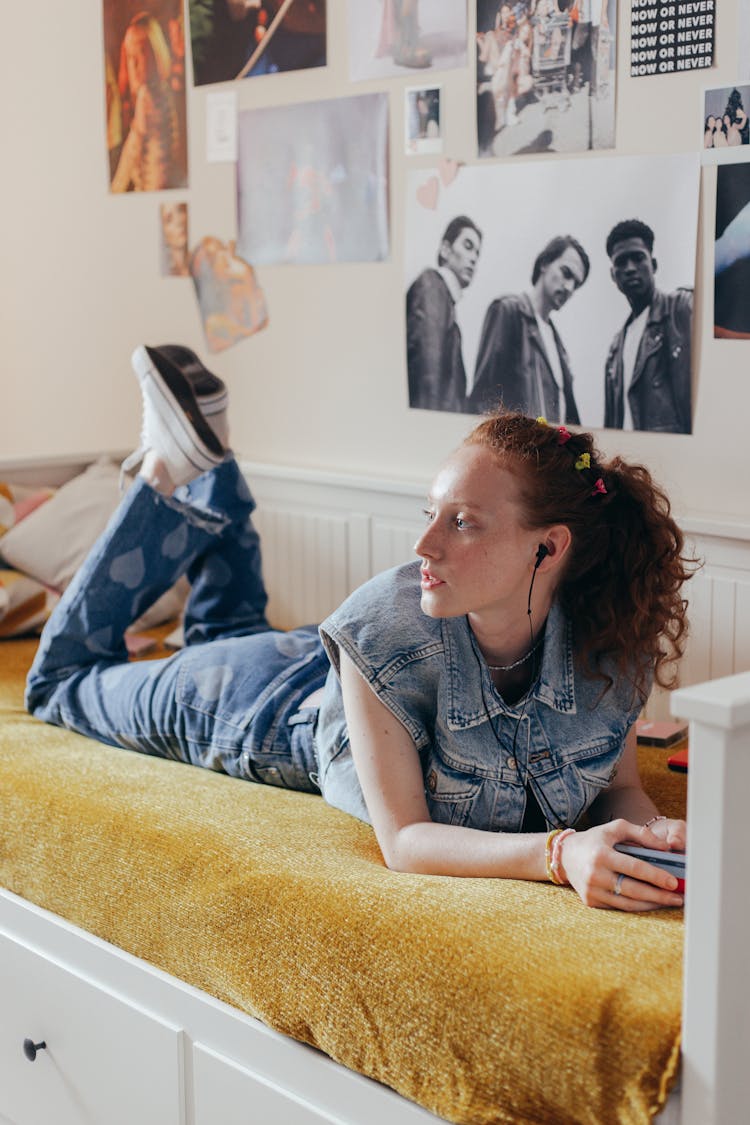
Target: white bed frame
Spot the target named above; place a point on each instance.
(126, 1042)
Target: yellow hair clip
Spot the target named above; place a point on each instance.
(584, 461)
(542, 421)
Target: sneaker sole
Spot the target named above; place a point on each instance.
(205, 385)
(179, 411)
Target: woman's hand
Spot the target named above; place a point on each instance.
(671, 834)
(593, 867)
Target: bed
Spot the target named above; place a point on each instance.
(482, 1001)
(177, 946)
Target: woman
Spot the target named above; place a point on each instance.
(734, 124)
(153, 156)
(487, 693)
(721, 139)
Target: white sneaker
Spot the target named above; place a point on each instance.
(173, 425)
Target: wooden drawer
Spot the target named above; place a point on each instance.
(232, 1094)
(105, 1060)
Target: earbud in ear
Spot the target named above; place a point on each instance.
(541, 555)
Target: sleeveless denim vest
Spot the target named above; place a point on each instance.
(478, 754)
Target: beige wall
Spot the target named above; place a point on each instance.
(324, 386)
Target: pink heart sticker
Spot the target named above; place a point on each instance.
(448, 171)
(427, 193)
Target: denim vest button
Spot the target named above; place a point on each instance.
(432, 781)
(512, 764)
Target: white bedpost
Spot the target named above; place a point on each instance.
(716, 990)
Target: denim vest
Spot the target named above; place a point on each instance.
(478, 754)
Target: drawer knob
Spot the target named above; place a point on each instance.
(30, 1048)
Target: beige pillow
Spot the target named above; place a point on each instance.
(53, 541)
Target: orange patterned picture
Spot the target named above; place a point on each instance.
(144, 56)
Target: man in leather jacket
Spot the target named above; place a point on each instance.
(437, 378)
(521, 359)
(647, 373)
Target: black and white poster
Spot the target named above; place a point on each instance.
(574, 304)
(670, 35)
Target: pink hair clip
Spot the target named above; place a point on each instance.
(563, 435)
(599, 489)
(584, 461)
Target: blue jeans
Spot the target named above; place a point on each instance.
(230, 700)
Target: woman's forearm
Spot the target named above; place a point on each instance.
(429, 848)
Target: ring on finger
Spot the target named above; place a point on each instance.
(618, 884)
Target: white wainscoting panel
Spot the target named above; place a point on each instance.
(324, 534)
(305, 563)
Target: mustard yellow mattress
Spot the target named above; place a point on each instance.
(483, 1000)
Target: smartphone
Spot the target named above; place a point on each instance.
(673, 862)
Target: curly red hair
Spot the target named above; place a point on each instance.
(623, 578)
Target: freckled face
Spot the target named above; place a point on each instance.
(477, 556)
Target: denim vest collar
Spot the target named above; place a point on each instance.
(471, 696)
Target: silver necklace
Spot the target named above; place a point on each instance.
(517, 663)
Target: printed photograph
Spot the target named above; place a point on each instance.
(743, 42)
(231, 302)
(547, 303)
(399, 37)
(246, 38)
(324, 196)
(726, 127)
(732, 253)
(144, 68)
(545, 76)
(175, 256)
(424, 133)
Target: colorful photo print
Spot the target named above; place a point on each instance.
(246, 38)
(175, 256)
(402, 37)
(575, 304)
(144, 67)
(232, 303)
(545, 76)
(732, 253)
(424, 132)
(324, 196)
(726, 125)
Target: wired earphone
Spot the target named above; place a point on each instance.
(541, 554)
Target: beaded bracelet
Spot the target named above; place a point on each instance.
(551, 837)
(557, 844)
(653, 821)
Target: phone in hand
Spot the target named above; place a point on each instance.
(673, 862)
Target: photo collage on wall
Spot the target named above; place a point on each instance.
(589, 313)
